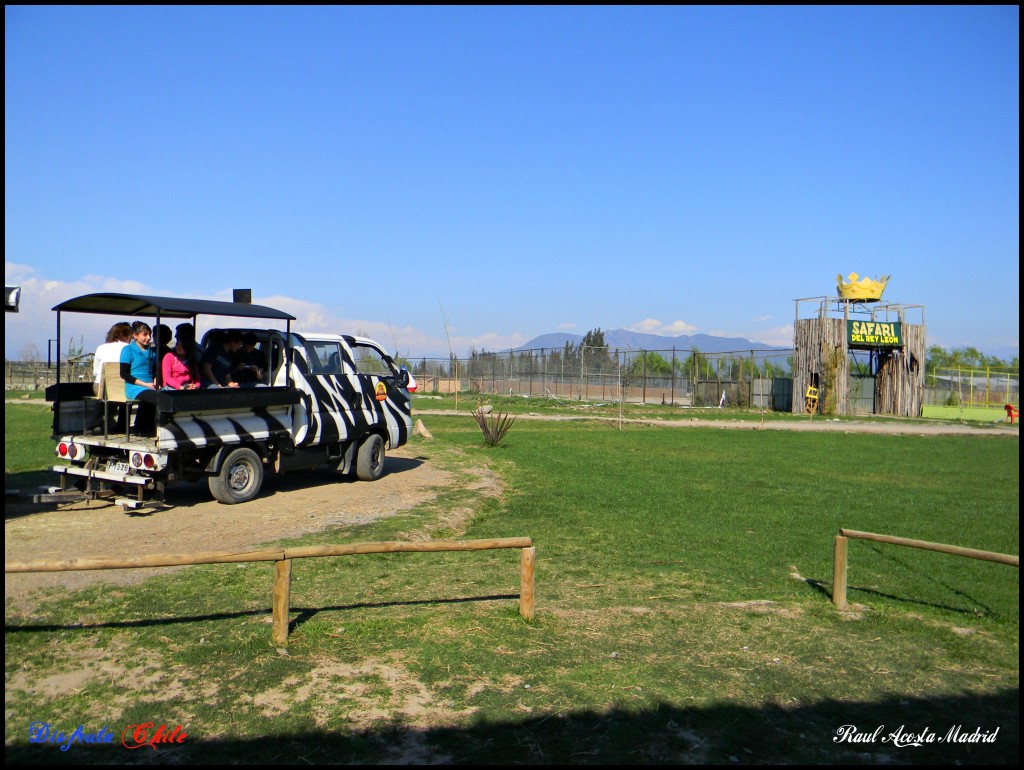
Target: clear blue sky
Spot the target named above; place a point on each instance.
(528, 170)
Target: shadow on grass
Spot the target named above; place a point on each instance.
(661, 734)
(825, 591)
(299, 615)
(18, 491)
(898, 556)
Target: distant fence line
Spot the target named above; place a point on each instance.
(37, 375)
(756, 379)
(741, 378)
(973, 386)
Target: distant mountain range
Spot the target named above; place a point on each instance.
(623, 339)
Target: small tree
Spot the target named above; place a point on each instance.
(832, 362)
(30, 353)
(596, 356)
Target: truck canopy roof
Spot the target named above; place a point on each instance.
(165, 307)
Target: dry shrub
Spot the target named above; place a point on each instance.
(494, 425)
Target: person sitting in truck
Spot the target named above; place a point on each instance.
(186, 332)
(179, 368)
(138, 361)
(138, 364)
(119, 335)
(218, 363)
(250, 362)
(162, 341)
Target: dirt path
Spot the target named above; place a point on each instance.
(292, 505)
(818, 424)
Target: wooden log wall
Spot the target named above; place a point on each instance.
(899, 383)
(820, 344)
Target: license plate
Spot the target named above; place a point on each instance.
(123, 468)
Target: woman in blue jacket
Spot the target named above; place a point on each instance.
(138, 367)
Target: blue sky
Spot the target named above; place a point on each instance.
(527, 170)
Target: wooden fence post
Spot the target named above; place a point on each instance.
(282, 593)
(527, 560)
(839, 574)
(282, 558)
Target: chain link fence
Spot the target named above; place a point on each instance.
(754, 378)
(973, 387)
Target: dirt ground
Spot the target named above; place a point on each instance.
(289, 506)
(817, 424)
(292, 505)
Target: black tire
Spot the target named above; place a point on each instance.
(240, 477)
(370, 459)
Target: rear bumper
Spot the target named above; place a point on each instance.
(98, 485)
(145, 482)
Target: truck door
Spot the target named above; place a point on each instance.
(384, 403)
(334, 408)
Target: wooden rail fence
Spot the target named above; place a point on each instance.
(839, 557)
(283, 565)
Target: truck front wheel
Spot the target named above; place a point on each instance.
(240, 477)
(370, 460)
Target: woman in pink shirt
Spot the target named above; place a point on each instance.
(179, 373)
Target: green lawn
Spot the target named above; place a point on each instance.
(683, 616)
(28, 449)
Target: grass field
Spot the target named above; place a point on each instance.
(683, 616)
(28, 449)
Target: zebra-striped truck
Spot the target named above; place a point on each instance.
(326, 399)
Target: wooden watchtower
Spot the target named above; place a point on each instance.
(893, 335)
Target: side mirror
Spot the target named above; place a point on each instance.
(402, 380)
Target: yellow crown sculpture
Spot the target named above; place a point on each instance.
(860, 289)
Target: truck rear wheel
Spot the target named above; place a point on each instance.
(240, 477)
(370, 460)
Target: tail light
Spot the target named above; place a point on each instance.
(68, 450)
(141, 460)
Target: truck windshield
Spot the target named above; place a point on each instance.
(370, 360)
